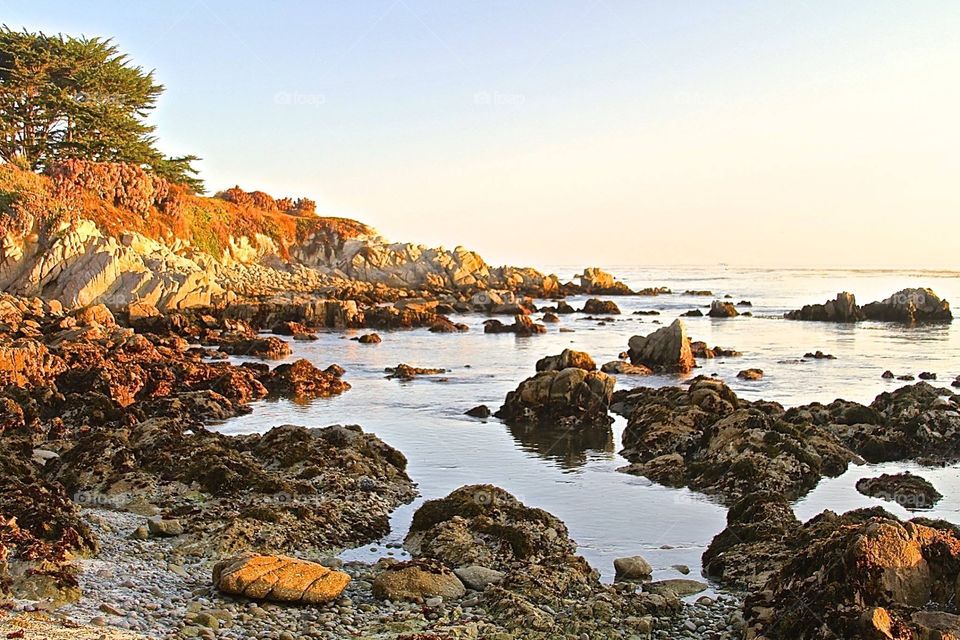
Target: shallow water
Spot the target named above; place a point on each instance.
(611, 514)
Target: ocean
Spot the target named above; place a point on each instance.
(611, 514)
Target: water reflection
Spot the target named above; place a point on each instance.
(567, 447)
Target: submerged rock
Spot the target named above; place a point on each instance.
(665, 350)
(407, 372)
(909, 491)
(480, 411)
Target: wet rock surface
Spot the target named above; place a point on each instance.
(707, 439)
(909, 491)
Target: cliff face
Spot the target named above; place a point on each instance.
(109, 233)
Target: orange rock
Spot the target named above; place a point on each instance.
(279, 578)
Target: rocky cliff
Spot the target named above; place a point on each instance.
(100, 232)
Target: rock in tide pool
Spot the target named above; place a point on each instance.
(665, 350)
(721, 309)
(278, 578)
(369, 338)
(632, 568)
(302, 380)
(570, 397)
(751, 374)
(522, 326)
(595, 306)
(909, 491)
(480, 411)
(417, 580)
(625, 368)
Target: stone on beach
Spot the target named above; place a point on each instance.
(417, 580)
(278, 578)
(632, 568)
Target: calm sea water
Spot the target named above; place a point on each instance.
(611, 514)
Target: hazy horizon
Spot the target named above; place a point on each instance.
(589, 132)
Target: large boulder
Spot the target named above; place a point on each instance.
(910, 306)
(278, 578)
(842, 309)
(571, 397)
(302, 380)
(665, 350)
(598, 307)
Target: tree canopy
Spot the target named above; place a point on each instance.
(65, 97)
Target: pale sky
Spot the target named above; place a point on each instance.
(803, 133)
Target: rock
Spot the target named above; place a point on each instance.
(369, 338)
(721, 309)
(926, 375)
(301, 380)
(866, 574)
(709, 440)
(278, 578)
(751, 374)
(597, 281)
(479, 578)
(625, 368)
(159, 526)
(551, 318)
(679, 587)
(406, 372)
(595, 306)
(909, 491)
(632, 568)
(842, 309)
(140, 533)
(572, 397)
(567, 358)
(417, 580)
(97, 314)
(522, 326)
(481, 411)
(665, 350)
(819, 355)
(887, 375)
(269, 347)
(693, 313)
(910, 306)
(915, 422)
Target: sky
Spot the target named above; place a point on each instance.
(543, 132)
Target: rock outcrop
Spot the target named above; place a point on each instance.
(540, 582)
(842, 309)
(707, 439)
(598, 282)
(665, 350)
(910, 306)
